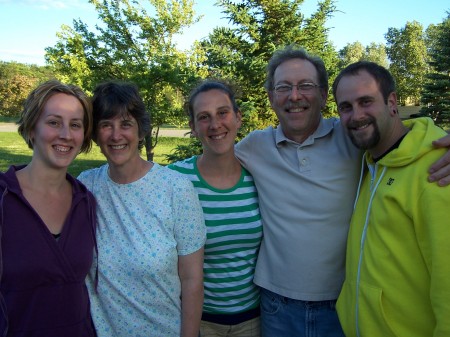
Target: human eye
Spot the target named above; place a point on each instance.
(126, 124)
(77, 125)
(104, 125)
(306, 86)
(366, 102)
(283, 88)
(202, 117)
(344, 108)
(53, 122)
(223, 113)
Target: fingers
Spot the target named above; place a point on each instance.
(442, 142)
(440, 171)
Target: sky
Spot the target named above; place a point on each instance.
(27, 27)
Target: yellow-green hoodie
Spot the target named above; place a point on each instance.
(398, 251)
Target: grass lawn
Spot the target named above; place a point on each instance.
(14, 150)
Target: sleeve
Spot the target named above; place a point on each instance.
(433, 231)
(190, 230)
(244, 149)
(83, 177)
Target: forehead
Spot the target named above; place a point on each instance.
(352, 87)
(210, 100)
(295, 70)
(62, 104)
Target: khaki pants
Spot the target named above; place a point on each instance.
(249, 328)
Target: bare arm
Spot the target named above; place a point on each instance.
(190, 269)
(440, 170)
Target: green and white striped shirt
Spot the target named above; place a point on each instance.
(234, 234)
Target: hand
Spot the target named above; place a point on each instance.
(440, 170)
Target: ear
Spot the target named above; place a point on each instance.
(192, 126)
(271, 97)
(392, 104)
(324, 95)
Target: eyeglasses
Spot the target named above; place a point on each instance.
(303, 88)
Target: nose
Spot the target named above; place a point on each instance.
(115, 133)
(295, 94)
(214, 124)
(357, 112)
(65, 132)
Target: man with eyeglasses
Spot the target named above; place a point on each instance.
(306, 173)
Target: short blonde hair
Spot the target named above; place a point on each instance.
(36, 101)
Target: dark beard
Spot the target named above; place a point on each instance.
(367, 143)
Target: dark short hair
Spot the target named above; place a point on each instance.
(115, 98)
(207, 85)
(35, 104)
(384, 79)
(292, 52)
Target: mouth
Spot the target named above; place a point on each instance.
(218, 137)
(362, 127)
(296, 109)
(62, 149)
(118, 147)
(357, 126)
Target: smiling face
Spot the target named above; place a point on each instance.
(364, 112)
(59, 132)
(299, 114)
(215, 123)
(118, 139)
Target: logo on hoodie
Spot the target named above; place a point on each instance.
(390, 181)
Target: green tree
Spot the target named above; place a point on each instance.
(351, 53)
(376, 52)
(240, 53)
(259, 27)
(354, 52)
(16, 82)
(407, 53)
(436, 91)
(133, 42)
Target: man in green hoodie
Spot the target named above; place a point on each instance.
(397, 271)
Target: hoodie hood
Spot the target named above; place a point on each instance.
(416, 143)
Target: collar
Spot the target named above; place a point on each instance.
(326, 126)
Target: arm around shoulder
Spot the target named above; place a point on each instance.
(440, 170)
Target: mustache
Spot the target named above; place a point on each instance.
(357, 124)
(300, 105)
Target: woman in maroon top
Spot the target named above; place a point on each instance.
(47, 221)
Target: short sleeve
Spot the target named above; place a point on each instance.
(190, 230)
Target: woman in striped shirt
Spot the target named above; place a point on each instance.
(230, 205)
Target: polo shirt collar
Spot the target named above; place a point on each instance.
(326, 126)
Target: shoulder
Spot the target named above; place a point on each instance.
(256, 137)
(259, 134)
(89, 177)
(182, 166)
(171, 175)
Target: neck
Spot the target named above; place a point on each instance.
(219, 171)
(129, 172)
(35, 176)
(397, 132)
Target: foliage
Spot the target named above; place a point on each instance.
(260, 27)
(183, 151)
(436, 92)
(133, 42)
(354, 52)
(240, 54)
(14, 151)
(16, 82)
(407, 53)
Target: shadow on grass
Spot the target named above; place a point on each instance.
(8, 158)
